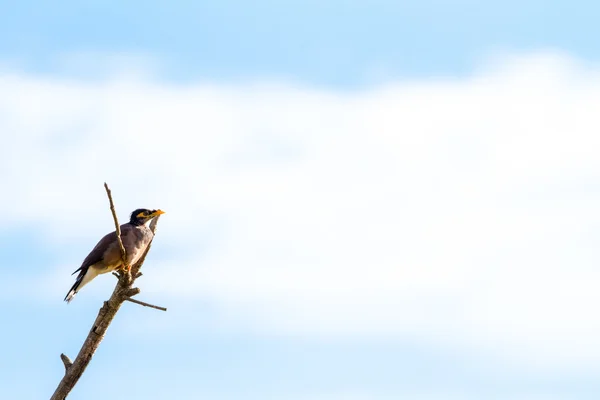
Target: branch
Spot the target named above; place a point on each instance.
(122, 292)
(67, 361)
(141, 303)
(132, 292)
(118, 231)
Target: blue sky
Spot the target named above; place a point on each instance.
(365, 200)
(338, 43)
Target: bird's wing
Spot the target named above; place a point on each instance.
(97, 254)
(112, 255)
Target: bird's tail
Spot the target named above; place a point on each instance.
(74, 289)
(84, 277)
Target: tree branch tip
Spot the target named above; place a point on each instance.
(66, 361)
(117, 226)
(141, 303)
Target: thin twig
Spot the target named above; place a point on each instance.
(141, 303)
(117, 228)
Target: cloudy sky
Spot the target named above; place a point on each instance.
(365, 200)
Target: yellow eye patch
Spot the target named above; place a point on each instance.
(142, 214)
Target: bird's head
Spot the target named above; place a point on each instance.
(142, 216)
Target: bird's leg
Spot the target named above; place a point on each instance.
(121, 270)
(124, 270)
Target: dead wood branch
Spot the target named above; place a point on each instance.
(122, 292)
(141, 303)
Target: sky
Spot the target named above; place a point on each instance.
(364, 200)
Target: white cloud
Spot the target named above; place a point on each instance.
(463, 212)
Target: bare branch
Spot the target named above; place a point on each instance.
(131, 292)
(118, 231)
(122, 292)
(141, 303)
(66, 361)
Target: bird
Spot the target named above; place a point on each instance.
(106, 256)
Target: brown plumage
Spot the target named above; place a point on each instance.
(106, 255)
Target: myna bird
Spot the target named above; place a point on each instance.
(106, 256)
